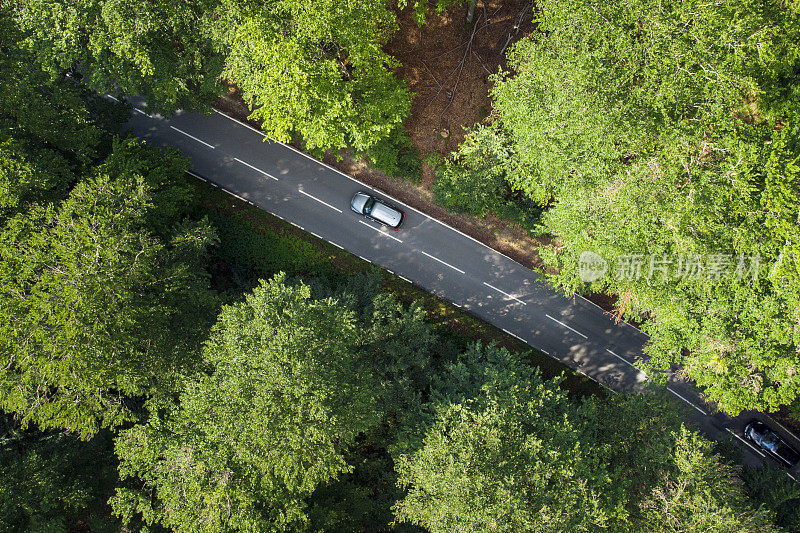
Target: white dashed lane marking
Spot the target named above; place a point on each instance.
(267, 174)
(687, 401)
(380, 231)
(566, 326)
(515, 335)
(504, 293)
(626, 361)
(759, 452)
(442, 262)
(192, 137)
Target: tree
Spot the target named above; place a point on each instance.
(286, 393)
(156, 49)
(667, 477)
(50, 480)
(767, 485)
(95, 307)
(700, 495)
(501, 453)
(47, 131)
(498, 449)
(474, 180)
(664, 133)
(315, 68)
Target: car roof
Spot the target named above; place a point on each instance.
(386, 214)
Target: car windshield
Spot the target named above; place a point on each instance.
(770, 440)
(368, 206)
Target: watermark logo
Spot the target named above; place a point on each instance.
(591, 266)
(664, 267)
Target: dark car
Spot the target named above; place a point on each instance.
(771, 443)
(377, 210)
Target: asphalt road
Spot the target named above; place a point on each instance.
(453, 266)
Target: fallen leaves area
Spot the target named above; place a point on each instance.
(447, 63)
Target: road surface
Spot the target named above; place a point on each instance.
(453, 266)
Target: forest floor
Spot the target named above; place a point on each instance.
(447, 64)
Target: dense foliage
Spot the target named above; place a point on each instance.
(312, 69)
(315, 68)
(502, 453)
(665, 139)
(506, 451)
(315, 400)
(94, 307)
(154, 48)
(49, 480)
(101, 271)
(285, 394)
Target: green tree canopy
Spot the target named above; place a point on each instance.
(157, 49)
(668, 131)
(287, 392)
(501, 453)
(47, 131)
(95, 307)
(499, 449)
(666, 477)
(315, 68)
(50, 480)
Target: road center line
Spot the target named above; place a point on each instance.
(442, 262)
(301, 191)
(257, 169)
(141, 112)
(626, 361)
(687, 401)
(759, 452)
(191, 136)
(504, 293)
(566, 326)
(376, 229)
(262, 135)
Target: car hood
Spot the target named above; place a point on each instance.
(387, 215)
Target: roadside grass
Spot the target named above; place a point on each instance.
(265, 242)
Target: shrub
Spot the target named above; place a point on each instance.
(395, 155)
(473, 181)
(266, 251)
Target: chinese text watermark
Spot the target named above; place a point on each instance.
(665, 267)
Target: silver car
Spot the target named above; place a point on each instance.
(377, 210)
